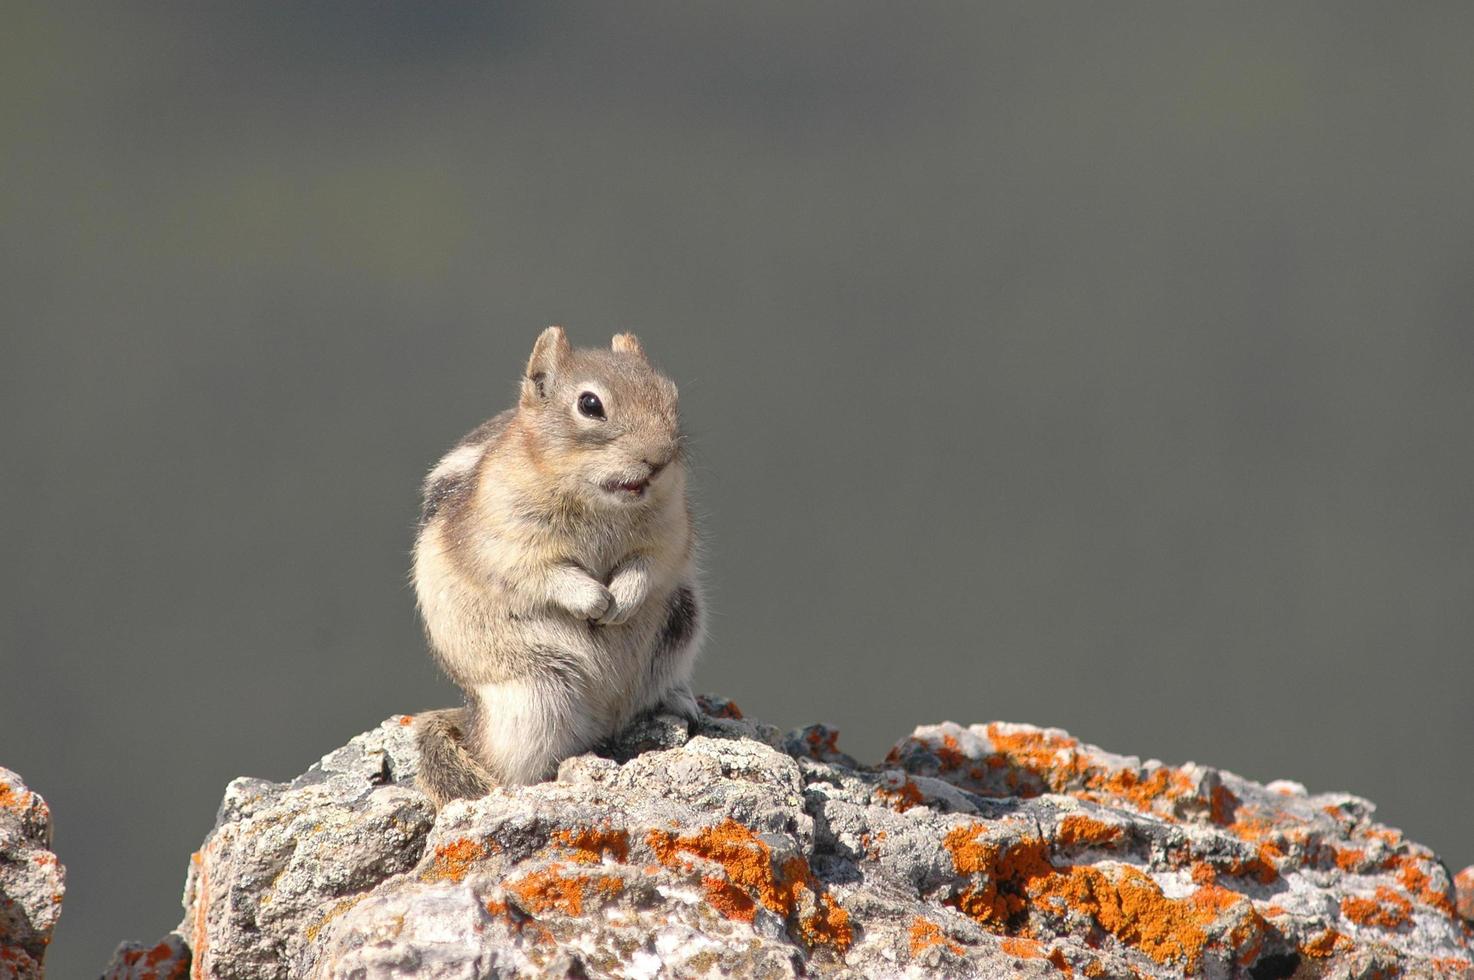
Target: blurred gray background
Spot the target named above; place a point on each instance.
(1101, 367)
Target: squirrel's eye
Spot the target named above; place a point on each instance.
(589, 404)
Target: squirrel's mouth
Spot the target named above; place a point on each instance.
(632, 489)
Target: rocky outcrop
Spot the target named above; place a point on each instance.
(996, 850)
(31, 880)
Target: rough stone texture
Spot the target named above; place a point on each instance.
(167, 959)
(1464, 891)
(993, 851)
(32, 881)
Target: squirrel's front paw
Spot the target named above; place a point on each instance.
(617, 614)
(587, 600)
(629, 590)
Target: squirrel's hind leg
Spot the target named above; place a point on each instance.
(447, 770)
(668, 682)
(525, 726)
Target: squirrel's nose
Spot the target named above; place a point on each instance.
(658, 453)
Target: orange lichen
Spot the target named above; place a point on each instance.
(590, 844)
(199, 935)
(828, 926)
(1039, 761)
(729, 899)
(527, 926)
(1464, 893)
(1252, 829)
(1326, 944)
(551, 889)
(1078, 829)
(823, 741)
(1350, 859)
(545, 890)
(1249, 931)
(749, 877)
(1131, 906)
(11, 800)
(1248, 938)
(453, 860)
(746, 859)
(1126, 784)
(1392, 838)
(1452, 966)
(1039, 750)
(150, 958)
(1412, 877)
(903, 798)
(969, 854)
(1388, 909)
(1267, 870)
(1418, 884)
(949, 753)
(518, 919)
(406, 719)
(728, 709)
(1222, 805)
(925, 934)
(1261, 867)
(1008, 872)
(1024, 949)
(1128, 904)
(1204, 873)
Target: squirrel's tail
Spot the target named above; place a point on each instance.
(447, 771)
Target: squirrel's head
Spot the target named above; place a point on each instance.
(604, 421)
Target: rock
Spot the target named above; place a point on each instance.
(285, 858)
(726, 848)
(167, 959)
(1464, 891)
(32, 881)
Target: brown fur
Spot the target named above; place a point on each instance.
(555, 569)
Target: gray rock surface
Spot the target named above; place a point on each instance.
(32, 881)
(734, 850)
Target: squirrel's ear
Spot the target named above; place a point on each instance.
(548, 355)
(628, 343)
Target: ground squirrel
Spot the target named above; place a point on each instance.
(555, 571)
